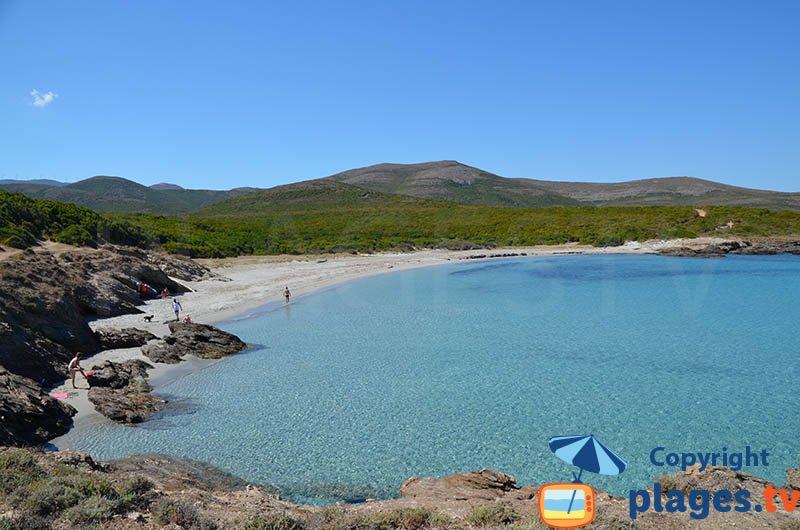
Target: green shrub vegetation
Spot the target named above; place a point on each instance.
(405, 225)
(334, 518)
(23, 221)
(170, 511)
(493, 515)
(323, 217)
(64, 495)
(274, 521)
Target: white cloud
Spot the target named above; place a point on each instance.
(42, 100)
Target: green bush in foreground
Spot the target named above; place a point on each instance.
(76, 235)
(170, 511)
(274, 522)
(18, 468)
(494, 515)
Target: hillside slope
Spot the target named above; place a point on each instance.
(115, 194)
(457, 182)
(670, 191)
(452, 181)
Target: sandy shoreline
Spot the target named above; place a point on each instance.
(246, 283)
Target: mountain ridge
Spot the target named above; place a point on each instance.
(452, 180)
(447, 180)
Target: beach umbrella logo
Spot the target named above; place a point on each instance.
(572, 504)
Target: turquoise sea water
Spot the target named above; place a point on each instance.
(472, 365)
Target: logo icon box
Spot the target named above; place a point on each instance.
(566, 505)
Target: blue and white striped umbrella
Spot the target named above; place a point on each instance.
(588, 454)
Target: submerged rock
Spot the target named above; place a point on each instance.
(121, 392)
(27, 415)
(188, 338)
(112, 339)
(124, 406)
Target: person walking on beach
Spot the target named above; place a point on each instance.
(176, 307)
(75, 367)
(287, 294)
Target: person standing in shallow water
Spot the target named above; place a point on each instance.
(287, 294)
(176, 307)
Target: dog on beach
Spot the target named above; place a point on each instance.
(148, 318)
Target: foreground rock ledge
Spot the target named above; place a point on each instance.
(200, 340)
(156, 488)
(28, 416)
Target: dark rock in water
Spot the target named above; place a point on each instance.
(28, 416)
(120, 375)
(688, 252)
(769, 248)
(121, 392)
(112, 339)
(718, 250)
(200, 340)
(123, 405)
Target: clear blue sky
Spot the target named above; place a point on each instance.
(223, 94)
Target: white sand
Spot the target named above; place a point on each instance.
(249, 282)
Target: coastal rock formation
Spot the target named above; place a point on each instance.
(119, 375)
(484, 484)
(28, 415)
(154, 491)
(200, 340)
(716, 250)
(721, 249)
(45, 298)
(121, 392)
(124, 406)
(112, 339)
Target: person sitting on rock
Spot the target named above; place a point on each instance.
(75, 367)
(188, 319)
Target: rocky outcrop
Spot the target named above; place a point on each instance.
(200, 340)
(485, 484)
(45, 299)
(121, 392)
(205, 497)
(119, 375)
(112, 339)
(719, 250)
(28, 415)
(124, 406)
(716, 250)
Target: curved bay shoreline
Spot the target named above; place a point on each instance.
(241, 287)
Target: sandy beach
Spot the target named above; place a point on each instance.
(243, 284)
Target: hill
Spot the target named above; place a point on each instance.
(115, 194)
(43, 182)
(24, 221)
(451, 180)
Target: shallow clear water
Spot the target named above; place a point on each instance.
(471, 365)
